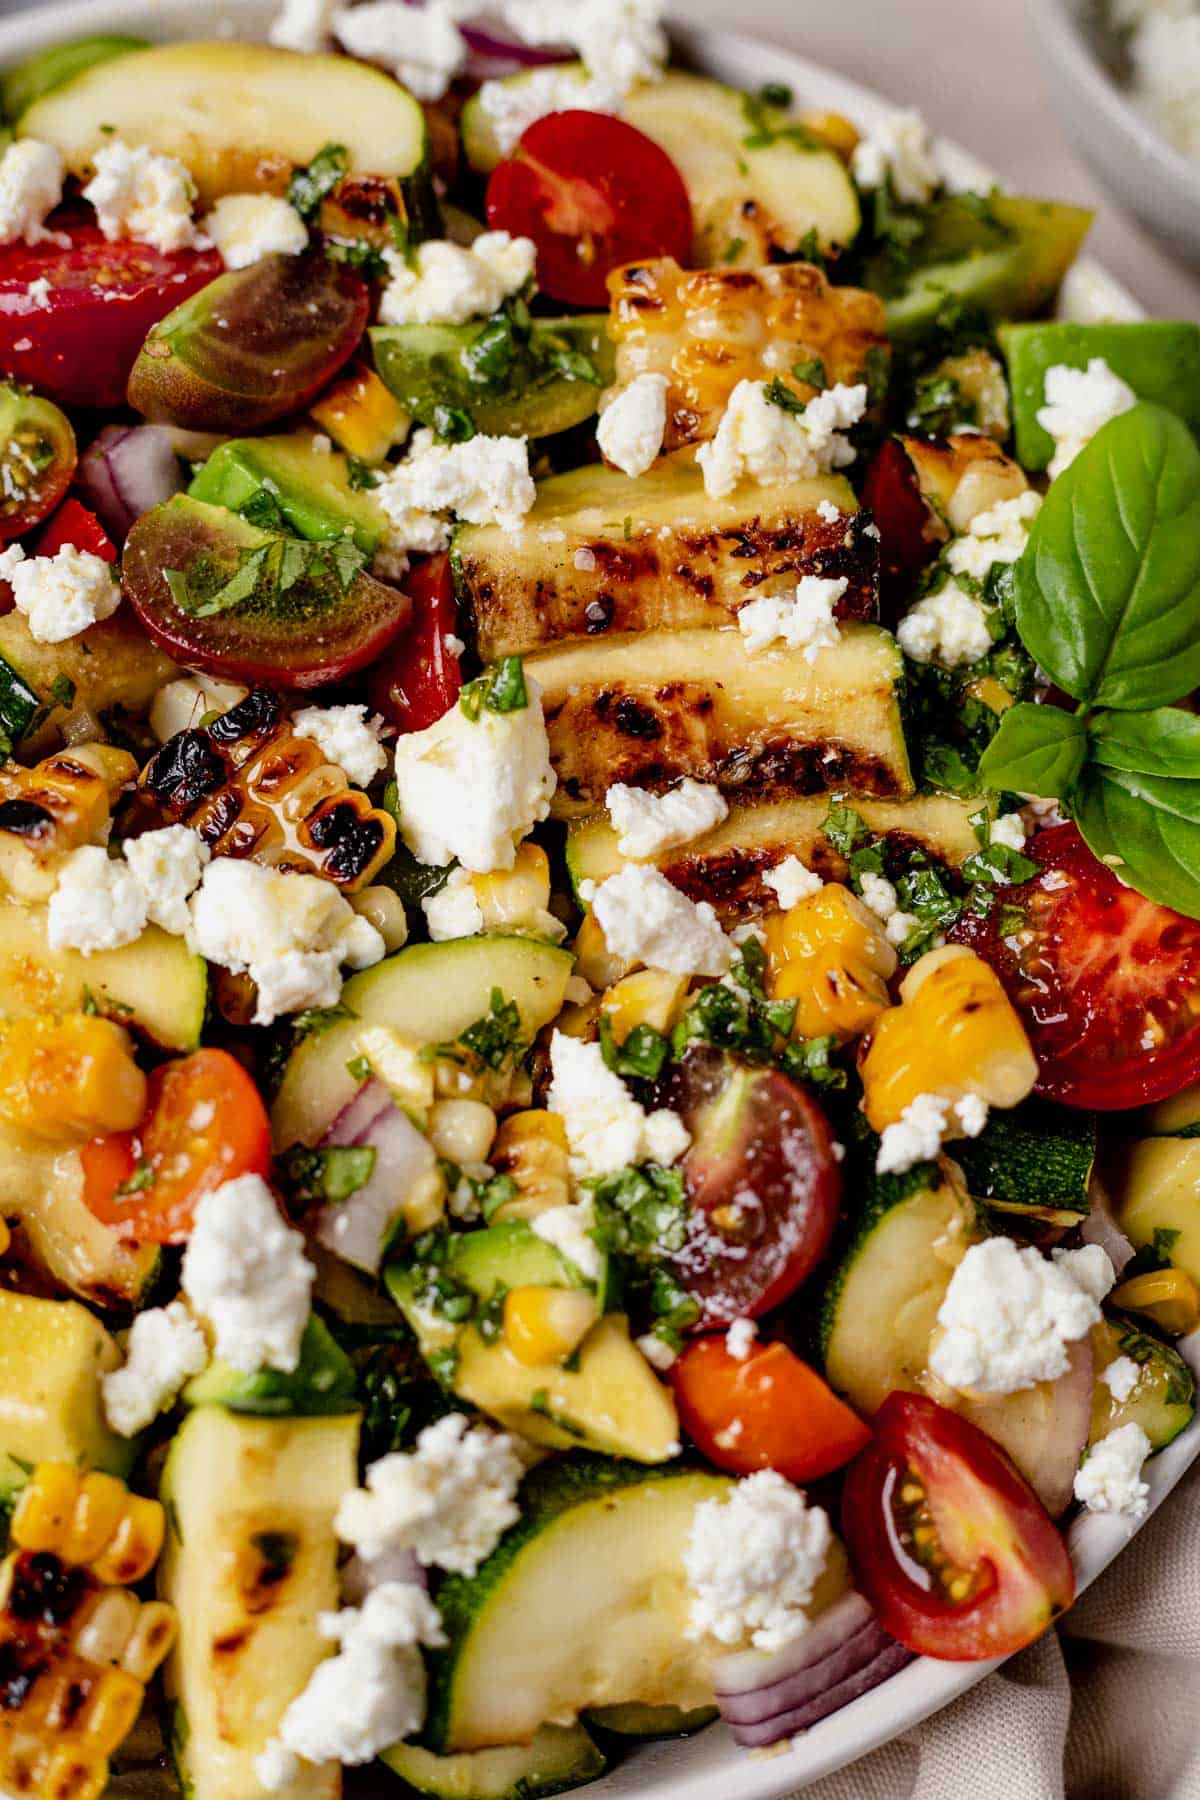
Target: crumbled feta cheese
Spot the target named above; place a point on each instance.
(421, 45)
(633, 424)
(60, 595)
(453, 283)
(454, 911)
(803, 620)
(1089, 1268)
(31, 185)
(183, 704)
(756, 438)
(1109, 1478)
(620, 42)
(649, 823)
(1079, 403)
(740, 1338)
(168, 865)
(303, 25)
(998, 535)
(370, 1695)
(290, 933)
(1165, 54)
(449, 1500)
(792, 881)
(347, 737)
(245, 1271)
(98, 904)
(1009, 830)
(1008, 1319)
(166, 1347)
(899, 149)
(512, 107)
(486, 481)
(247, 227)
(949, 627)
(644, 919)
(138, 194)
(471, 789)
(753, 1561)
(569, 1228)
(38, 293)
(879, 894)
(923, 1127)
(606, 1128)
(1120, 1378)
(657, 1352)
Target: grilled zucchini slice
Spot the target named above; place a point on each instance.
(560, 1757)
(48, 689)
(651, 708)
(602, 552)
(1163, 1400)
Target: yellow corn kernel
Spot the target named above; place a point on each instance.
(994, 695)
(90, 1520)
(829, 954)
(955, 1033)
(383, 908)
(102, 1506)
(518, 899)
(134, 1547)
(593, 958)
(105, 1624)
(64, 801)
(424, 1202)
(834, 130)
(462, 1130)
(649, 997)
(154, 1634)
(88, 1701)
(1168, 1297)
(43, 1513)
(361, 415)
(531, 1147)
(544, 1325)
(64, 1080)
(73, 1772)
(5, 1236)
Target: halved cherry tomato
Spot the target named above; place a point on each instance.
(205, 1124)
(892, 494)
(418, 679)
(37, 459)
(951, 1546)
(78, 344)
(593, 193)
(73, 524)
(763, 1182)
(767, 1410)
(1107, 982)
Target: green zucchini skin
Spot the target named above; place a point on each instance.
(1036, 1160)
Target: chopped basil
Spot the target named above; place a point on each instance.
(309, 185)
(640, 1212)
(811, 371)
(733, 249)
(325, 1176)
(641, 1055)
(453, 424)
(501, 689)
(785, 398)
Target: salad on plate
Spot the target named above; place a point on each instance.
(600, 917)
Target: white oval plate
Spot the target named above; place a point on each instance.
(710, 1766)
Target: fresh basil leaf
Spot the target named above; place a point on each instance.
(1108, 589)
(1152, 848)
(309, 185)
(240, 587)
(1163, 742)
(1037, 750)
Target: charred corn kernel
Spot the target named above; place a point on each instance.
(994, 695)
(86, 1700)
(954, 1033)
(384, 909)
(1168, 1297)
(531, 1147)
(962, 476)
(102, 1505)
(517, 900)
(362, 416)
(89, 1520)
(50, 810)
(649, 997)
(105, 1624)
(72, 1773)
(462, 1130)
(593, 958)
(192, 701)
(708, 330)
(397, 1062)
(134, 1547)
(544, 1325)
(64, 1080)
(250, 787)
(834, 130)
(156, 1630)
(830, 955)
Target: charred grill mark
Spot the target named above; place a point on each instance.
(258, 715)
(44, 1591)
(778, 768)
(699, 583)
(598, 614)
(350, 843)
(25, 818)
(634, 720)
(20, 1667)
(232, 1643)
(184, 771)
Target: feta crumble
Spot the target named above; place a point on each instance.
(347, 737)
(60, 595)
(449, 1500)
(421, 45)
(31, 186)
(633, 424)
(740, 1338)
(168, 865)
(1010, 1315)
(657, 1352)
(621, 42)
(454, 911)
(792, 882)
(802, 620)
(950, 627)
(452, 284)
(998, 535)
(899, 150)
(753, 1562)
(1079, 403)
(165, 1348)
(471, 789)
(758, 439)
(485, 481)
(138, 194)
(646, 920)
(303, 25)
(245, 1271)
(247, 227)
(923, 1127)
(1120, 1378)
(606, 1128)
(1109, 1478)
(649, 823)
(568, 1229)
(98, 904)
(1008, 830)
(38, 294)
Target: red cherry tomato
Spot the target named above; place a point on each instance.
(953, 1549)
(418, 680)
(78, 344)
(767, 1410)
(73, 524)
(593, 194)
(763, 1183)
(907, 529)
(205, 1124)
(1107, 983)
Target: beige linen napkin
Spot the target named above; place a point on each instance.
(1107, 1708)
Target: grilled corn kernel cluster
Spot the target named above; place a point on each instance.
(361, 415)
(708, 330)
(545, 1325)
(954, 1033)
(830, 955)
(66, 1079)
(961, 477)
(47, 811)
(77, 1647)
(531, 1147)
(517, 900)
(251, 787)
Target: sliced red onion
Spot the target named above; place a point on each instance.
(357, 1229)
(753, 1671)
(359, 1114)
(1044, 1428)
(495, 51)
(128, 470)
(889, 1658)
(1099, 1227)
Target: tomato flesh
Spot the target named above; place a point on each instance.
(74, 525)
(767, 1410)
(1106, 981)
(593, 193)
(951, 1546)
(419, 678)
(37, 459)
(892, 495)
(102, 300)
(762, 1180)
(205, 1124)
